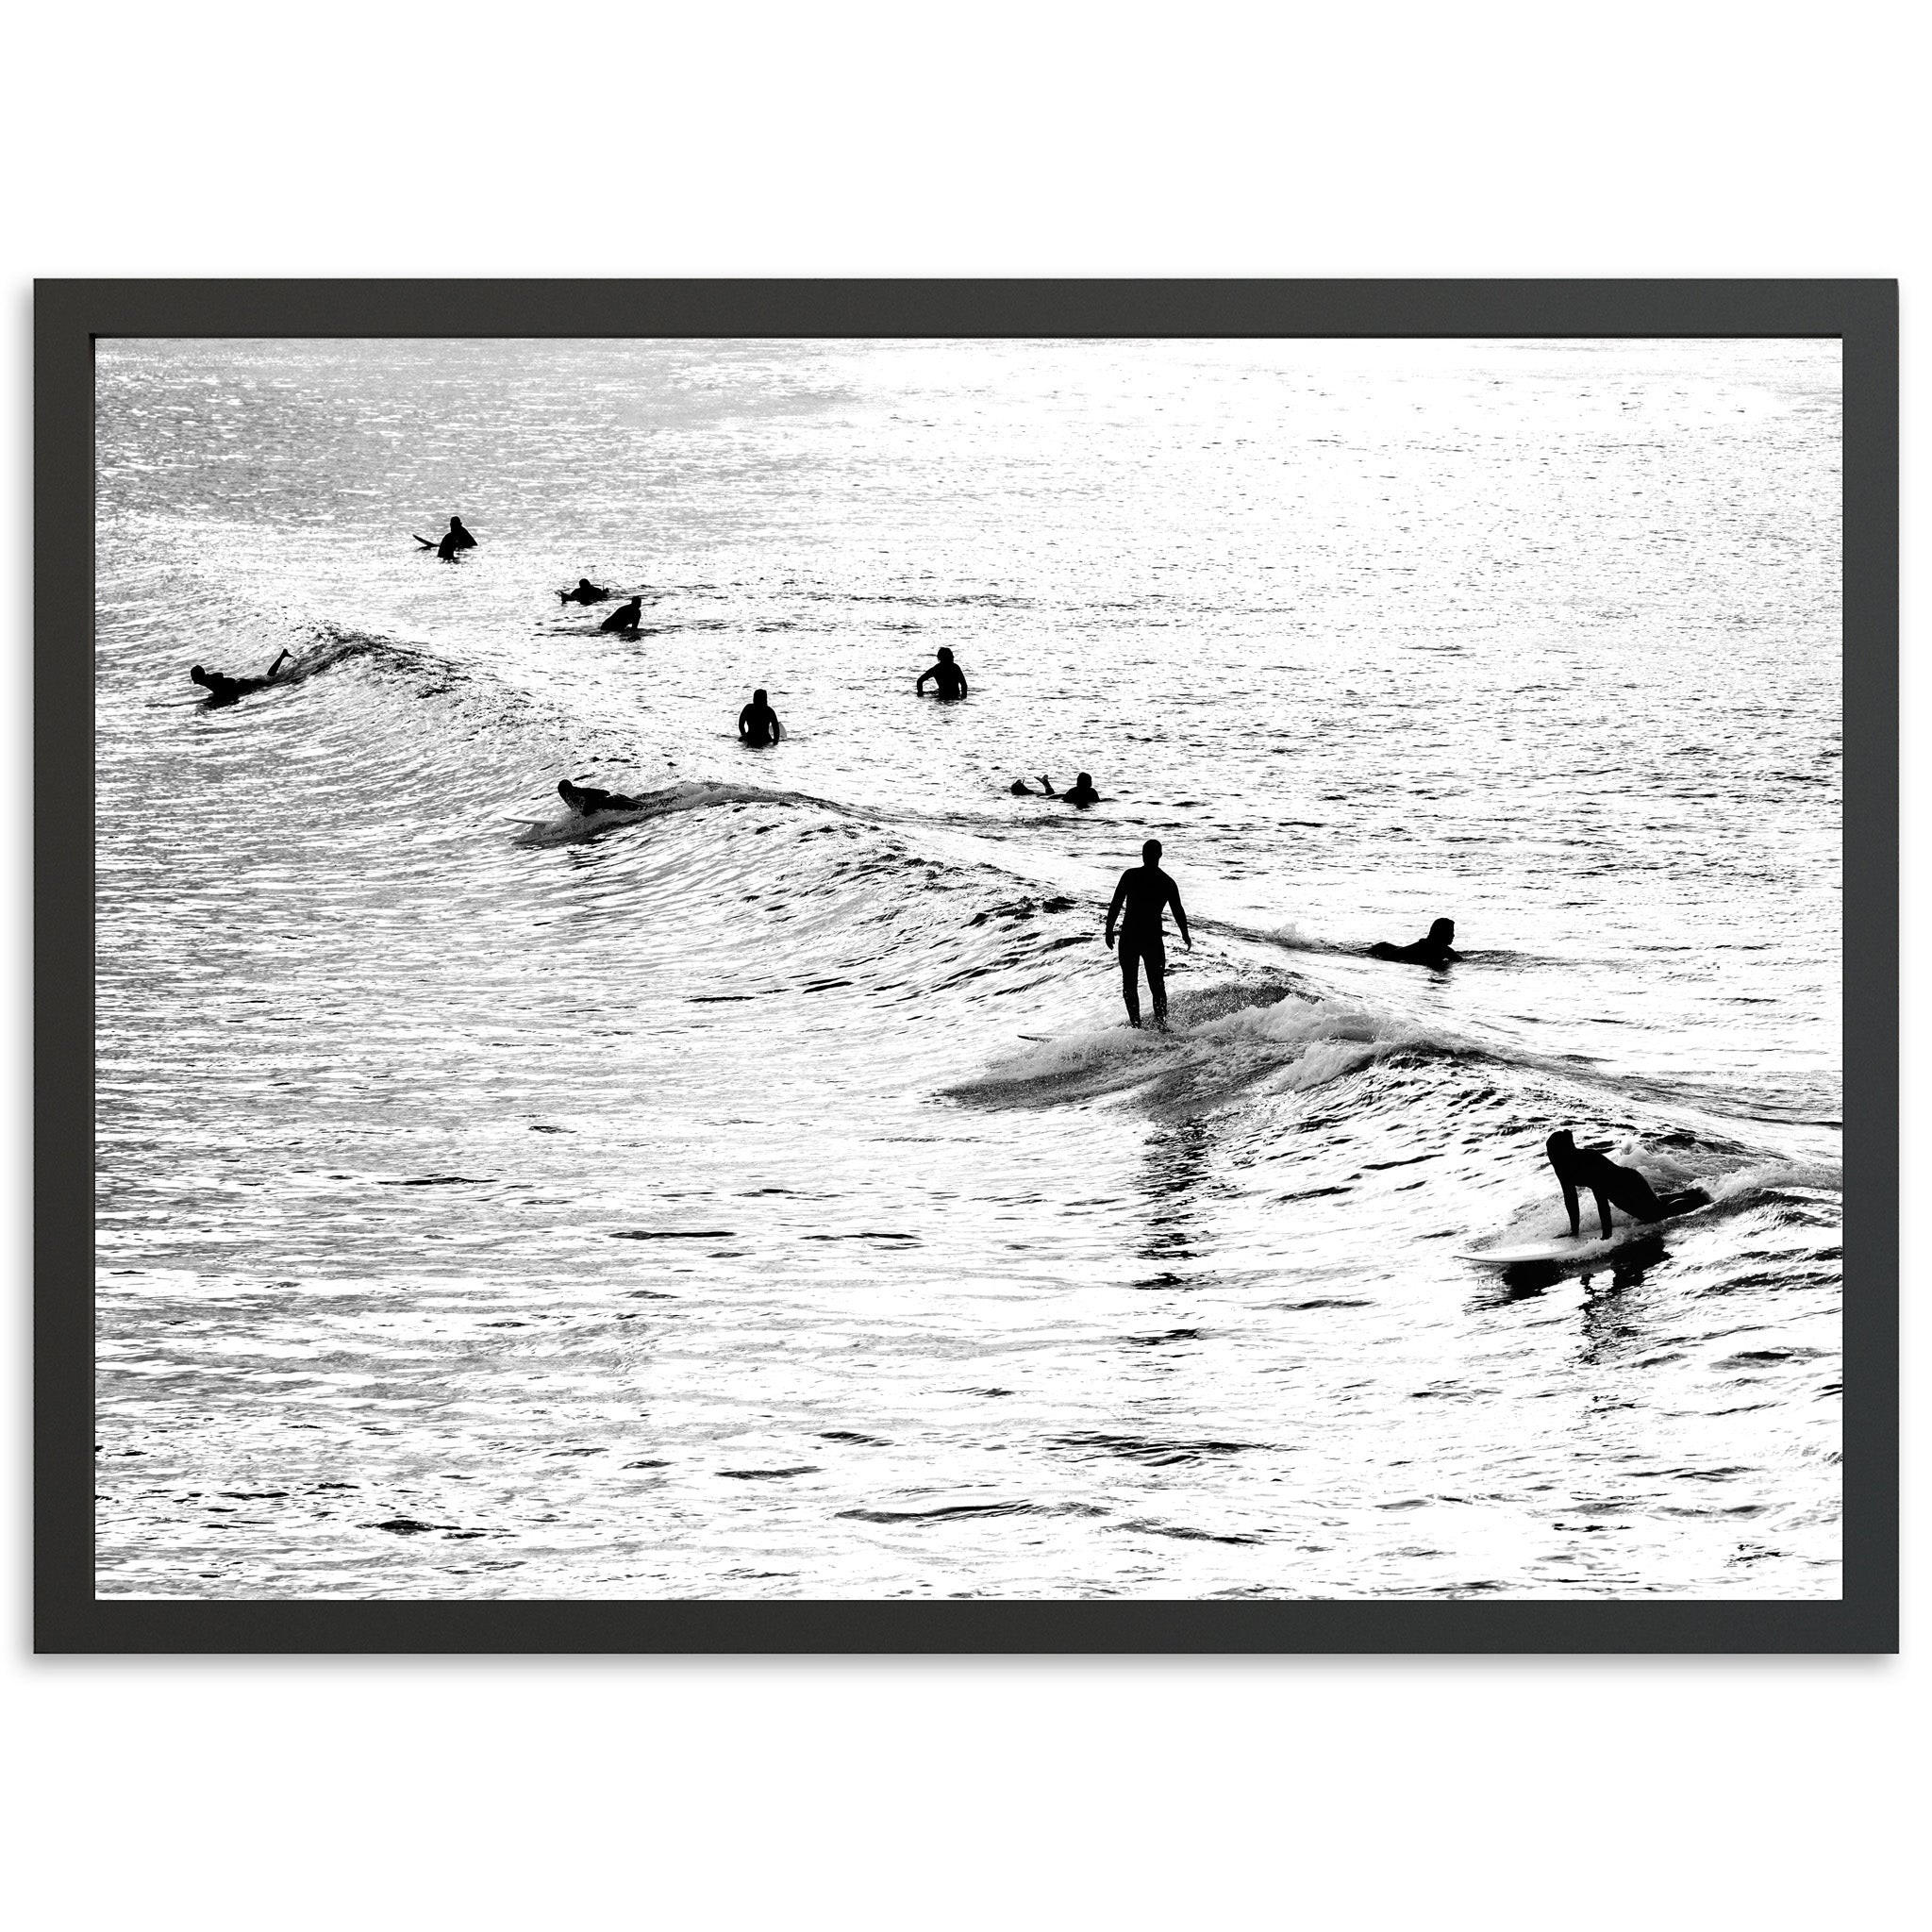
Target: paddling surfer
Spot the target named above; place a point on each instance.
(1613, 1185)
(223, 689)
(1437, 949)
(586, 593)
(1144, 892)
(585, 799)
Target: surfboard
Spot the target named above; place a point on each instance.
(1568, 1251)
(1562, 1252)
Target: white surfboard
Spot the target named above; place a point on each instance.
(1571, 1251)
(1562, 1251)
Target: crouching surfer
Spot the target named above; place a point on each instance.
(1437, 949)
(585, 799)
(223, 689)
(1613, 1185)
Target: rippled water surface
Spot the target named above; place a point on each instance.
(760, 1194)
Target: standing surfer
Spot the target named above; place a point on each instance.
(1143, 893)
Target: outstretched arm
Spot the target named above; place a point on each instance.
(277, 664)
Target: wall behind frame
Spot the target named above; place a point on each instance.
(1506, 141)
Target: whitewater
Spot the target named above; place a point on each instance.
(759, 1193)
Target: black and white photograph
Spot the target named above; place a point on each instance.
(944, 968)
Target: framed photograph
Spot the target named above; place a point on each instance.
(966, 966)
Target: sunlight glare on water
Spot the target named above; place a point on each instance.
(760, 1195)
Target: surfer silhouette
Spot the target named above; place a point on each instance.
(1437, 949)
(1144, 892)
(455, 540)
(1613, 1185)
(587, 799)
(586, 593)
(949, 681)
(626, 617)
(758, 724)
(223, 689)
(1080, 792)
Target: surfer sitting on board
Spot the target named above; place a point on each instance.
(587, 799)
(758, 724)
(1436, 950)
(949, 681)
(1080, 792)
(455, 539)
(586, 593)
(1613, 1185)
(223, 689)
(1145, 892)
(626, 617)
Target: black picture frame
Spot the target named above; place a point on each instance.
(70, 315)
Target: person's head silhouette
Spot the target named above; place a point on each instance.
(1560, 1146)
(945, 654)
(757, 698)
(1084, 782)
(197, 676)
(1442, 933)
(1150, 852)
(456, 523)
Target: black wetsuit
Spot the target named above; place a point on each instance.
(948, 678)
(1143, 893)
(223, 689)
(1080, 795)
(587, 799)
(1617, 1187)
(1420, 954)
(586, 593)
(758, 724)
(624, 617)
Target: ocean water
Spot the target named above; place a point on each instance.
(760, 1194)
